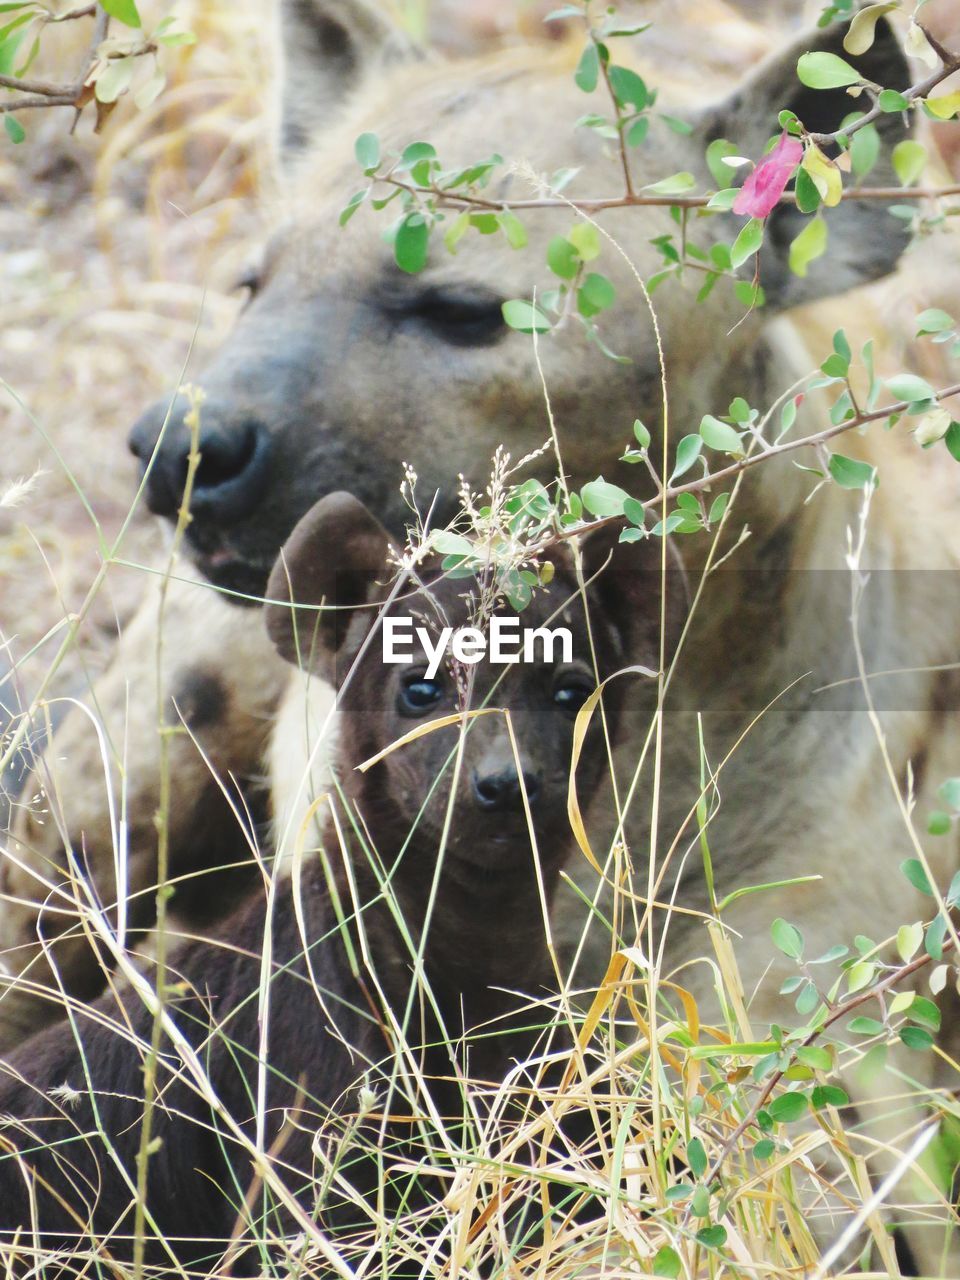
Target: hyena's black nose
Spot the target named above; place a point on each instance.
(501, 791)
(231, 475)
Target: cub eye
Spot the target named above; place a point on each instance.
(418, 695)
(571, 695)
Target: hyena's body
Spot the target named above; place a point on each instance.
(341, 369)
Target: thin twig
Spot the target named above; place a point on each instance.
(949, 63)
(20, 104)
(455, 200)
(841, 1011)
(44, 92)
(752, 460)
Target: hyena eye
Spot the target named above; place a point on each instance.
(463, 317)
(418, 695)
(570, 695)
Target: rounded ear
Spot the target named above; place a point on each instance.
(628, 581)
(865, 241)
(328, 47)
(332, 559)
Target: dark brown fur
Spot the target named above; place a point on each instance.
(327, 1028)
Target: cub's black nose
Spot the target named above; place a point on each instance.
(234, 465)
(501, 791)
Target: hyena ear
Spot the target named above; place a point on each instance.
(333, 558)
(627, 580)
(328, 47)
(865, 240)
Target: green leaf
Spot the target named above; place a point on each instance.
(513, 229)
(676, 124)
(455, 232)
(638, 131)
(603, 499)
(860, 975)
(850, 473)
(587, 73)
(723, 201)
(914, 872)
(722, 174)
(696, 1157)
(809, 245)
(939, 823)
(415, 153)
(952, 440)
(174, 39)
(866, 1027)
(826, 71)
(812, 1055)
(764, 1149)
(936, 932)
(907, 386)
(666, 1263)
(675, 185)
(835, 366)
(411, 243)
(563, 258)
(890, 100)
(788, 1107)
(909, 161)
(806, 193)
(635, 512)
(642, 434)
(523, 316)
(909, 940)
(864, 150)
(367, 150)
(717, 508)
(808, 999)
(787, 938)
(124, 11)
(828, 1095)
(747, 242)
(925, 1012)
(628, 89)
(688, 450)
(449, 543)
(739, 410)
(933, 321)
(916, 1038)
(585, 238)
(712, 1237)
(15, 130)
(719, 435)
(596, 294)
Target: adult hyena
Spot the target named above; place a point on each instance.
(341, 368)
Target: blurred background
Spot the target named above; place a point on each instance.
(119, 248)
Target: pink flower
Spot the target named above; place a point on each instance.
(767, 183)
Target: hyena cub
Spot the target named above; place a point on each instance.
(294, 1038)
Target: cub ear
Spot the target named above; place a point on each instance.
(628, 581)
(328, 46)
(332, 559)
(866, 241)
